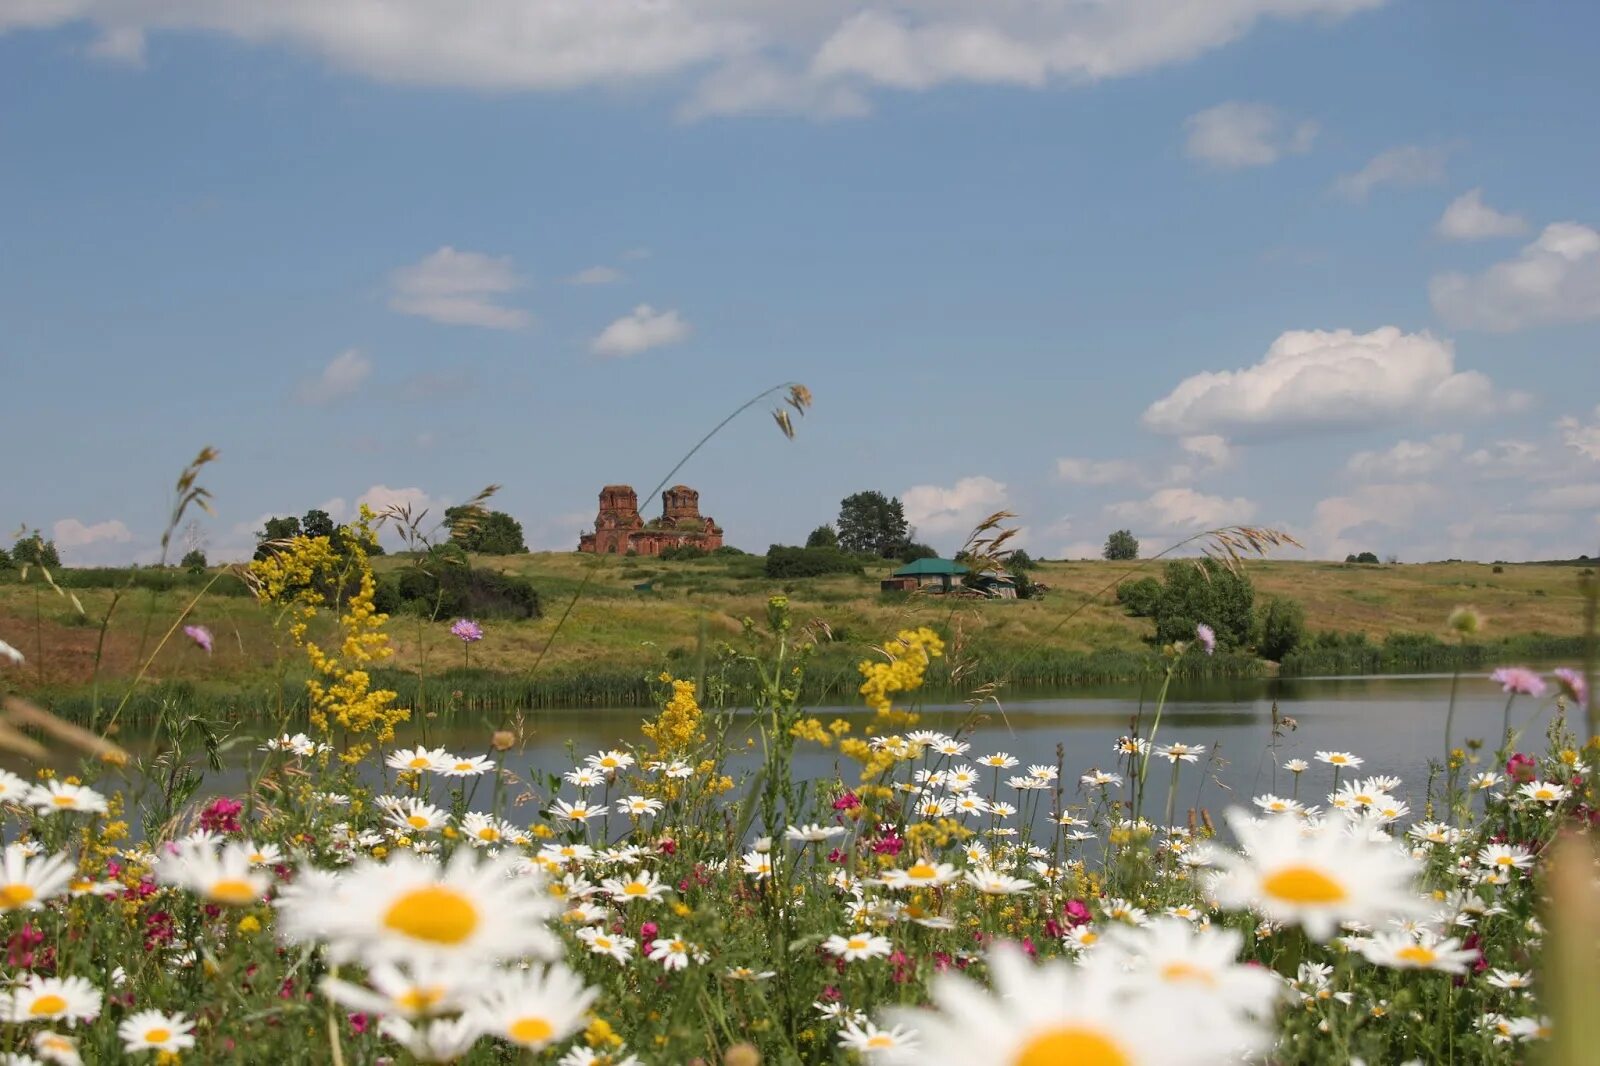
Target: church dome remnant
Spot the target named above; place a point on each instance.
(619, 528)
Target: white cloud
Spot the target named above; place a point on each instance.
(1210, 447)
(1468, 218)
(1320, 379)
(1406, 459)
(118, 44)
(641, 329)
(458, 289)
(1236, 134)
(71, 533)
(1582, 496)
(1366, 512)
(596, 275)
(1409, 164)
(932, 509)
(817, 57)
(1583, 439)
(1508, 458)
(1181, 510)
(1098, 471)
(342, 377)
(1554, 279)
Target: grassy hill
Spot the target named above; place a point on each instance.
(615, 634)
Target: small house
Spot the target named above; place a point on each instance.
(996, 584)
(935, 575)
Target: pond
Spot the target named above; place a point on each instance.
(1394, 722)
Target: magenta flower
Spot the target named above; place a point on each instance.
(466, 630)
(1573, 683)
(200, 635)
(1519, 681)
(1207, 637)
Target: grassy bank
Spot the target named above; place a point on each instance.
(1380, 618)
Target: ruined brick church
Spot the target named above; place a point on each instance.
(619, 528)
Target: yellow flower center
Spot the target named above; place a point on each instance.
(47, 1004)
(157, 1036)
(856, 943)
(634, 888)
(420, 762)
(64, 801)
(1543, 794)
(436, 914)
(1504, 860)
(1418, 954)
(15, 895)
(922, 872)
(880, 1040)
(488, 832)
(417, 1000)
(530, 1030)
(678, 947)
(1070, 1046)
(1185, 971)
(234, 892)
(463, 766)
(1303, 884)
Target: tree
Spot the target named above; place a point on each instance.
(912, 551)
(194, 561)
(1364, 557)
(1018, 561)
(318, 523)
(1283, 627)
(873, 524)
(1140, 597)
(1205, 592)
(1121, 546)
(5, 559)
(485, 532)
(31, 549)
(823, 537)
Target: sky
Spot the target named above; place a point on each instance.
(1329, 266)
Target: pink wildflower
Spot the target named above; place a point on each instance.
(1207, 637)
(1519, 681)
(1573, 683)
(200, 635)
(221, 815)
(847, 802)
(466, 630)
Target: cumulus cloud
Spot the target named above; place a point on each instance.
(71, 533)
(342, 377)
(1209, 447)
(1235, 134)
(639, 330)
(1406, 459)
(1366, 512)
(819, 57)
(1098, 471)
(933, 509)
(1321, 379)
(1468, 218)
(1181, 510)
(117, 44)
(458, 289)
(1554, 279)
(1408, 164)
(1580, 496)
(596, 275)
(1581, 438)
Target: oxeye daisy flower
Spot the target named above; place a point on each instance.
(1519, 681)
(871, 1041)
(1099, 779)
(227, 876)
(53, 797)
(970, 803)
(610, 762)
(534, 1008)
(1401, 951)
(639, 806)
(578, 811)
(960, 778)
(1277, 804)
(674, 952)
(435, 1040)
(53, 999)
(565, 853)
(25, 884)
(604, 942)
(756, 864)
(999, 760)
(1339, 758)
(10, 654)
(858, 946)
(993, 883)
(1185, 752)
(419, 759)
(1510, 980)
(466, 765)
(1543, 792)
(584, 777)
(1055, 1013)
(413, 815)
(57, 1048)
(1505, 856)
(813, 833)
(14, 788)
(1296, 766)
(153, 1030)
(414, 988)
(263, 854)
(408, 907)
(919, 875)
(640, 885)
(1196, 965)
(1315, 876)
(1484, 781)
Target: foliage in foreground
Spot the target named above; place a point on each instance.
(358, 900)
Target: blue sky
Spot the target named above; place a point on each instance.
(1328, 265)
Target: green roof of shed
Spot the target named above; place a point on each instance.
(931, 568)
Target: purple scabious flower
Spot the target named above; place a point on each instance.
(1519, 680)
(466, 630)
(1573, 683)
(200, 635)
(1207, 638)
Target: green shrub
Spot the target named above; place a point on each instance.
(1205, 592)
(458, 591)
(808, 562)
(1283, 627)
(1140, 597)
(680, 552)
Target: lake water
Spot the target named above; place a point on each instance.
(1394, 722)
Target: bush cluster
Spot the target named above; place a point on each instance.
(785, 561)
(457, 591)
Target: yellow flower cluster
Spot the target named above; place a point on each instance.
(813, 730)
(341, 692)
(677, 729)
(909, 655)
